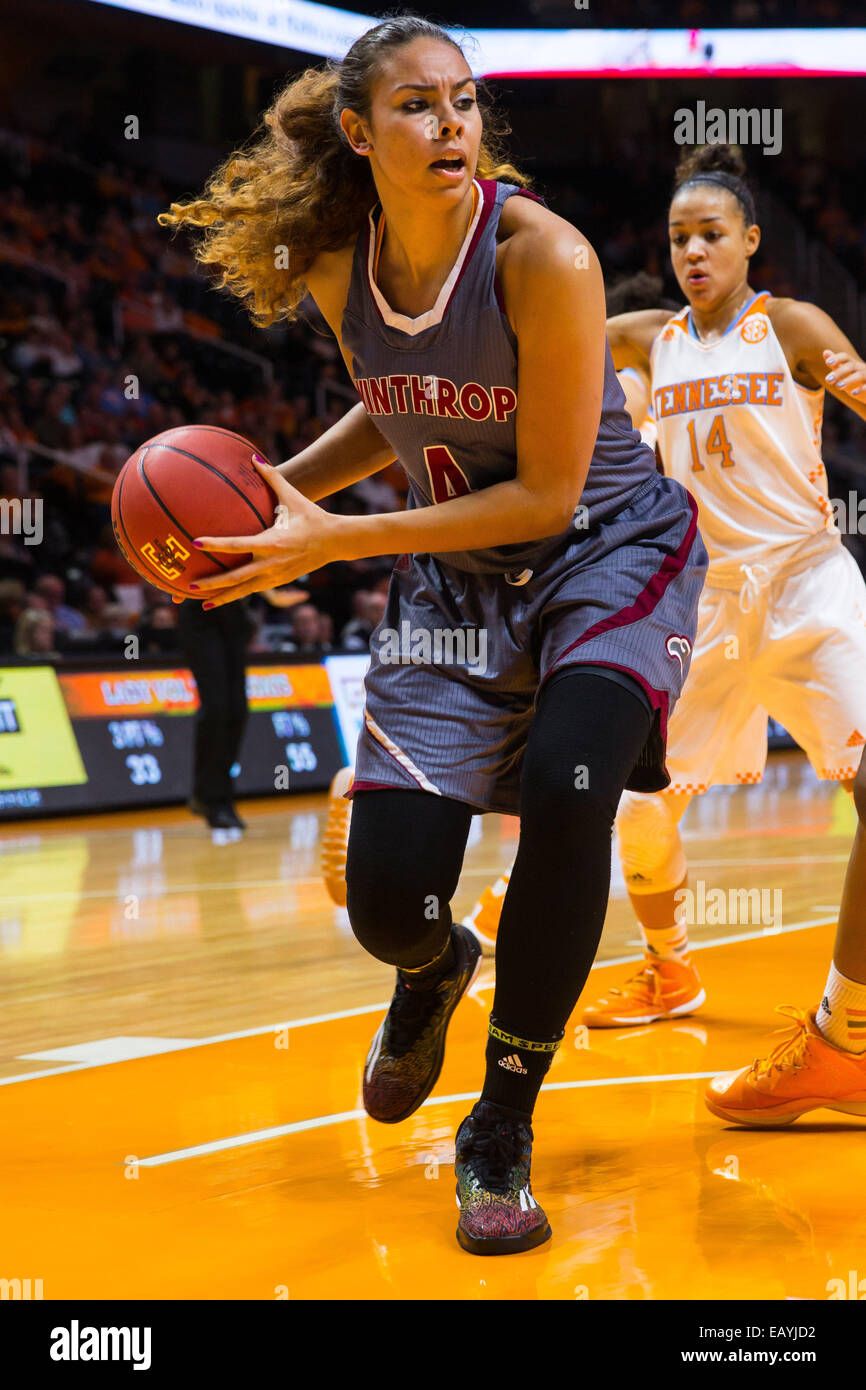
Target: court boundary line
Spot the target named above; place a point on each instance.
(264, 1136)
(261, 1031)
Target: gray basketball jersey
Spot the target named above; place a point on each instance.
(442, 389)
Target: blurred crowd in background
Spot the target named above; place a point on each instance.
(109, 335)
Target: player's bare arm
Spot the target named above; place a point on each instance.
(819, 353)
(558, 313)
(631, 336)
(637, 389)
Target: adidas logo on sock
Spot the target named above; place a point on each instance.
(513, 1063)
(825, 1005)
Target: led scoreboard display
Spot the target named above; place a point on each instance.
(76, 739)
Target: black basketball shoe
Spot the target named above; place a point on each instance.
(220, 815)
(407, 1053)
(498, 1213)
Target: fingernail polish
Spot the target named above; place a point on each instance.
(831, 377)
(193, 587)
(199, 545)
(206, 606)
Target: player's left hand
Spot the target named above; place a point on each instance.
(846, 373)
(301, 540)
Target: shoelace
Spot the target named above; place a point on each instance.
(757, 578)
(647, 975)
(493, 1154)
(789, 1053)
(409, 1013)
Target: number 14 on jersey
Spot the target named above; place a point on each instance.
(717, 442)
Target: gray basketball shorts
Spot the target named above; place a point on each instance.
(459, 659)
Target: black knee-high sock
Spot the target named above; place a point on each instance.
(586, 737)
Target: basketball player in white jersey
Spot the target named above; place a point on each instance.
(738, 383)
(734, 386)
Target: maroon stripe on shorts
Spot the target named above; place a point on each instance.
(652, 593)
(372, 787)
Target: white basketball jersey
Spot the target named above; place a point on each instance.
(745, 439)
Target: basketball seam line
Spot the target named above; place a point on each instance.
(172, 518)
(132, 549)
(240, 492)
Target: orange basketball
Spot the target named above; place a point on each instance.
(196, 480)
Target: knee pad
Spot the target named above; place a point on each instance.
(650, 848)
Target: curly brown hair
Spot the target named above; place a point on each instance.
(297, 188)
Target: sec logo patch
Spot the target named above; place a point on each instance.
(754, 330)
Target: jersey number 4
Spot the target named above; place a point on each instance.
(447, 478)
(717, 443)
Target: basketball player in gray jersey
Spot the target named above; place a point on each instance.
(541, 616)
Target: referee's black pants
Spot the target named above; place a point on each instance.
(214, 644)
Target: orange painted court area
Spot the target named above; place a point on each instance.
(237, 1162)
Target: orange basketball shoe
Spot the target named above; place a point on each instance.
(483, 920)
(660, 989)
(332, 854)
(803, 1072)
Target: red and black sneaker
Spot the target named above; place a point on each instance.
(407, 1053)
(498, 1213)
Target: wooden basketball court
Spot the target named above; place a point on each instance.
(184, 1025)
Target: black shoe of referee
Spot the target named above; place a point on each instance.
(220, 815)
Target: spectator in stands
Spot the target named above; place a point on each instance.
(52, 589)
(13, 597)
(35, 634)
(377, 494)
(308, 637)
(105, 622)
(157, 633)
(369, 609)
(107, 565)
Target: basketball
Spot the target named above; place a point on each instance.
(196, 480)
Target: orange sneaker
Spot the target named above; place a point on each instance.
(483, 920)
(803, 1072)
(332, 854)
(660, 989)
